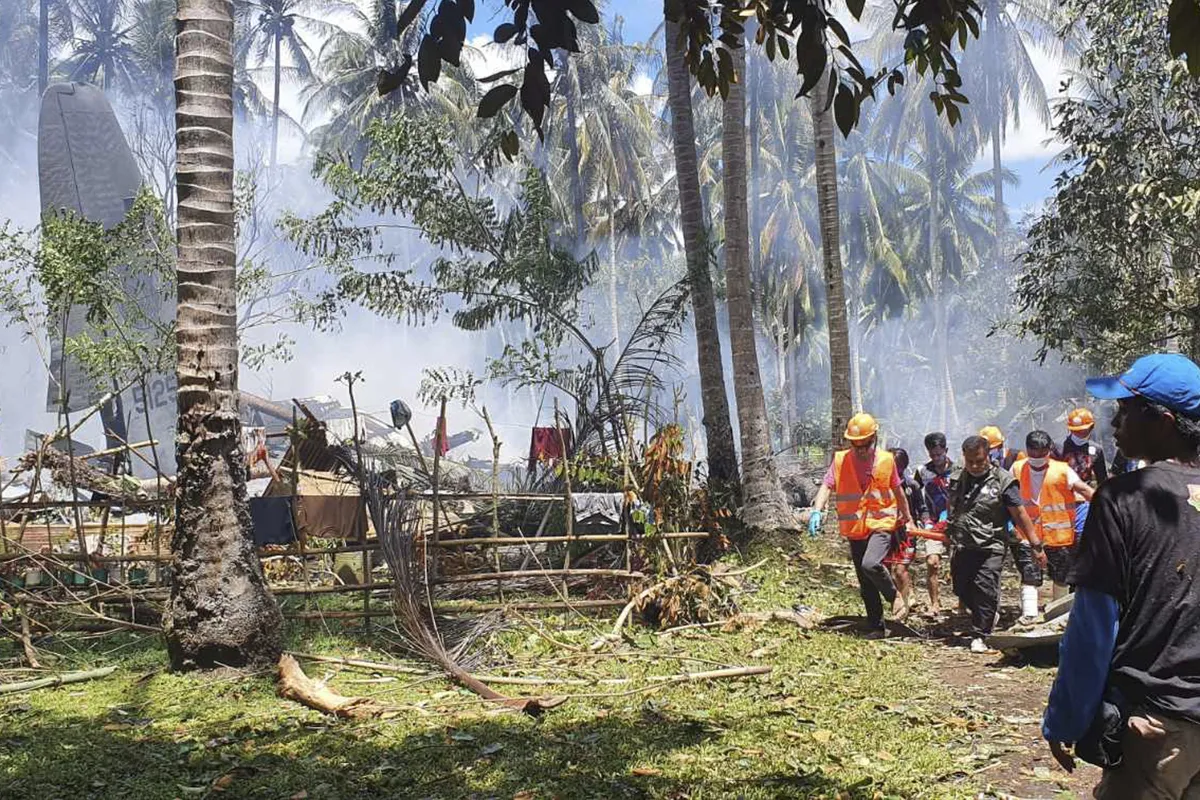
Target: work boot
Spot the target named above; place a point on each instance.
(876, 633)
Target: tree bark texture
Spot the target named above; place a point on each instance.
(572, 133)
(43, 46)
(763, 504)
(722, 456)
(275, 110)
(220, 612)
(842, 401)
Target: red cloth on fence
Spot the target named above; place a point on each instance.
(546, 444)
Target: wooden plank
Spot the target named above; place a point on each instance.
(538, 573)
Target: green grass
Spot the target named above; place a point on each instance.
(838, 717)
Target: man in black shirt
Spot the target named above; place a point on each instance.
(1080, 452)
(1133, 639)
(982, 499)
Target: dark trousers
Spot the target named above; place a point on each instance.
(976, 578)
(1030, 572)
(874, 579)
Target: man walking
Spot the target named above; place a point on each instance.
(1080, 452)
(1129, 661)
(934, 479)
(1049, 489)
(870, 503)
(998, 454)
(983, 498)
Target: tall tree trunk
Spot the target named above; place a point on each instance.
(275, 110)
(219, 612)
(998, 216)
(763, 504)
(842, 401)
(754, 70)
(936, 276)
(722, 456)
(43, 46)
(572, 134)
(612, 272)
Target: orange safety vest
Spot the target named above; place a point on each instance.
(1053, 511)
(864, 510)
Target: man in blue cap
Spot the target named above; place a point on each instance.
(1127, 695)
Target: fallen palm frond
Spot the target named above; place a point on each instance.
(395, 518)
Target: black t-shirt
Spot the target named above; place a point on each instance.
(1141, 545)
(1087, 460)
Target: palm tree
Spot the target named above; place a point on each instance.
(763, 504)
(55, 26)
(722, 457)
(276, 26)
(219, 611)
(999, 74)
(821, 104)
(103, 54)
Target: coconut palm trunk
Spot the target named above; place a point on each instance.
(43, 46)
(219, 612)
(275, 107)
(763, 506)
(947, 413)
(840, 367)
(722, 457)
(572, 134)
(999, 222)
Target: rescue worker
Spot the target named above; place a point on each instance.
(904, 546)
(1027, 568)
(934, 479)
(983, 499)
(1129, 662)
(870, 503)
(1080, 452)
(1049, 489)
(998, 454)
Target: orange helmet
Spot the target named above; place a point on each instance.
(993, 435)
(1080, 420)
(861, 427)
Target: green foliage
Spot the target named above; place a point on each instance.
(492, 265)
(117, 278)
(1111, 265)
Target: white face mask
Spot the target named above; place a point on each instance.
(1079, 440)
(1039, 463)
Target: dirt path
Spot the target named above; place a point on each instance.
(1001, 712)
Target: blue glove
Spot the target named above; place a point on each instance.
(814, 524)
(943, 516)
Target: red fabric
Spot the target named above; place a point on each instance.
(546, 444)
(441, 442)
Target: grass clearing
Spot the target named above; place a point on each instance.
(838, 717)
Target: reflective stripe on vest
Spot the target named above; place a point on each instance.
(863, 510)
(1053, 512)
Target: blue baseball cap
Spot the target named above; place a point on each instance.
(1168, 379)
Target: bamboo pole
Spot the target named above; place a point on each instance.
(570, 512)
(495, 495)
(57, 680)
(586, 537)
(437, 460)
(540, 573)
(294, 436)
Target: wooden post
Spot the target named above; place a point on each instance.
(350, 379)
(570, 505)
(294, 437)
(495, 497)
(437, 462)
